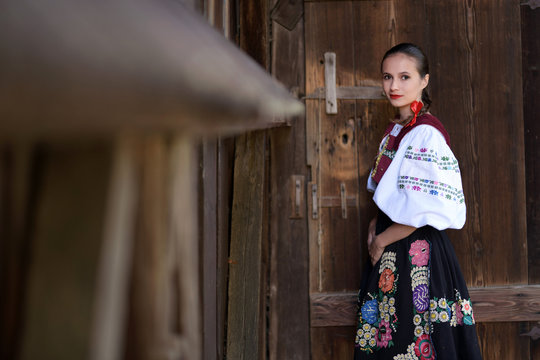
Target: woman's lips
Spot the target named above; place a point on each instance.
(395, 96)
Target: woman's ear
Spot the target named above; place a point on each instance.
(425, 81)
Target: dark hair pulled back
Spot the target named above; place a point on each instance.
(422, 65)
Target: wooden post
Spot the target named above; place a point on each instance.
(113, 269)
(186, 249)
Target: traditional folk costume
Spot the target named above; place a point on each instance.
(414, 303)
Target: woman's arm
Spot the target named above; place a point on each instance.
(376, 244)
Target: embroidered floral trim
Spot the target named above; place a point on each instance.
(423, 154)
(431, 187)
(377, 316)
(426, 311)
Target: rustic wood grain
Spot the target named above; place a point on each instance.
(225, 178)
(530, 28)
(491, 304)
(150, 274)
(287, 13)
(244, 318)
(209, 253)
(332, 343)
(288, 336)
(184, 259)
(114, 267)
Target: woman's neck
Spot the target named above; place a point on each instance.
(405, 112)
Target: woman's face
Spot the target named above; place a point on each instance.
(401, 81)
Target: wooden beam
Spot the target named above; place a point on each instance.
(491, 304)
(351, 93)
(79, 71)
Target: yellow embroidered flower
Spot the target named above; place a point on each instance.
(442, 303)
(434, 316)
(360, 332)
(426, 316)
(367, 335)
(443, 316)
(392, 301)
(417, 319)
(392, 310)
(363, 343)
(432, 304)
(373, 331)
(372, 342)
(427, 328)
(366, 327)
(418, 331)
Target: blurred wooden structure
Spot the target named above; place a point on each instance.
(122, 90)
(258, 253)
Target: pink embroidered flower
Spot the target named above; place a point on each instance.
(423, 150)
(384, 334)
(459, 315)
(419, 252)
(423, 348)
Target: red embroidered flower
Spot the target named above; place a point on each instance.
(423, 348)
(419, 252)
(386, 281)
(384, 334)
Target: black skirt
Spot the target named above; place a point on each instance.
(414, 303)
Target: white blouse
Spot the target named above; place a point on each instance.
(422, 185)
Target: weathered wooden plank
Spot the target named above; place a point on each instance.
(244, 318)
(332, 343)
(253, 27)
(530, 28)
(224, 200)
(502, 341)
(287, 13)
(111, 296)
(351, 93)
(208, 235)
(288, 336)
(184, 260)
(149, 314)
(491, 304)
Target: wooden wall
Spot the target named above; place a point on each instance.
(530, 28)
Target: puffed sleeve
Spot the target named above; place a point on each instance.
(422, 186)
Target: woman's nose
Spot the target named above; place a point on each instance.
(393, 85)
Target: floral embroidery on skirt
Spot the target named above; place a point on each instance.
(410, 305)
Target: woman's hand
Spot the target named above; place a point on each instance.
(375, 251)
(371, 231)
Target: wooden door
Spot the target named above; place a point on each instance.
(466, 47)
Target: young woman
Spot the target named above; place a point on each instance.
(414, 303)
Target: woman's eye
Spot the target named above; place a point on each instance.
(405, 77)
(386, 77)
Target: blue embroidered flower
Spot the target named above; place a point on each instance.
(370, 311)
(467, 319)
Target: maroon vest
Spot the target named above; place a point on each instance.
(392, 144)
